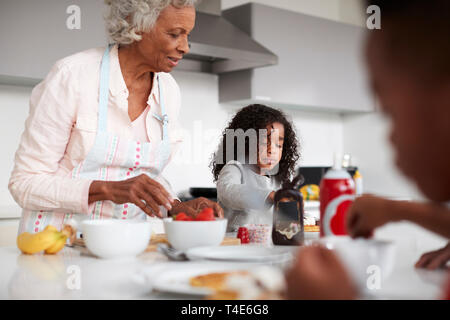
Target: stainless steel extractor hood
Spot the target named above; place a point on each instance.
(218, 46)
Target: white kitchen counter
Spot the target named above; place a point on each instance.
(49, 277)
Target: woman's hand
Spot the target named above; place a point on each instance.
(193, 207)
(317, 274)
(435, 259)
(143, 191)
(366, 214)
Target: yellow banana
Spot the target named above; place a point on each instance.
(58, 245)
(51, 228)
(33, 243)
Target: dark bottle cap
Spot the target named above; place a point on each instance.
(288, 213)
(290, 189)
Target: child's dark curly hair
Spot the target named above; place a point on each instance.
(258, 116)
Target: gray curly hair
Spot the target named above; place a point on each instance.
(127, 17)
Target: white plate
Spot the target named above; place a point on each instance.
(174, 277)
(243, 253)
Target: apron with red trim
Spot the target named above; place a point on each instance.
(110, 159)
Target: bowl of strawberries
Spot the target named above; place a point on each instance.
(185, 232)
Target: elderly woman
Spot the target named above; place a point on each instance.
(104, 124)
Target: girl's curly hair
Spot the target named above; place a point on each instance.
(258, 116)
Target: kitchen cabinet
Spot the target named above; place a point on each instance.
(320, 64)
(35, 34)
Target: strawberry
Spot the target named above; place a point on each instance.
(183, 217)
(209, 211)
(206, 214)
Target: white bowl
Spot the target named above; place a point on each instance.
(183, 235)
(116, 238)
(365, 259)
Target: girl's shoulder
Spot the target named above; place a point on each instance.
(236, 168)
(231, 168)
(232, 165)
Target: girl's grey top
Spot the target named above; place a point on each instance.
(242, 193)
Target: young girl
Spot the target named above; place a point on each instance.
(257, 153)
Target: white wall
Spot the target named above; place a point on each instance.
(366, 138)
(14, 105)
(203, 120)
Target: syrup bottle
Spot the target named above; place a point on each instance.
(287, 228)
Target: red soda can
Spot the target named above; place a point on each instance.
(337, 193)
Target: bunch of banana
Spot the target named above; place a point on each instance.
(310, 192)
(50, 240)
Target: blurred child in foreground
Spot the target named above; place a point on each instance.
(409, 68)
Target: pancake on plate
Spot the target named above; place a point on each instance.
(262, 283)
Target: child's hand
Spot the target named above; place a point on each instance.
(366, 214)
(317, 273)
(434, 259)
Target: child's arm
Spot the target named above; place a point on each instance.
(236, 195)
(369, 212)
